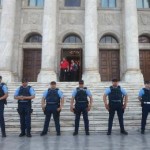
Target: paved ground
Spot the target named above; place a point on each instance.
(98, 141)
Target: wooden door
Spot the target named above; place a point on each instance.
(109, 65)
(31, 64)
(145, 63)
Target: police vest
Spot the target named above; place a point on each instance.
(53, 97)
(81, 95)
(24, 91)
(2, 92)
(115, 94)
(146, 96)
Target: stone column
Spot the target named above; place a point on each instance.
(47, 72)
(91, 54)
(133, 73)
(7, 39)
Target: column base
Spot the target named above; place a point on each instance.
(47, 76)
(7, 76)
(133, 77)
(91, 76)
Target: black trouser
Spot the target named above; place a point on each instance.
(63, 75)
(120, 111)
(2, 122)
(51, 109)
(81, 108)
(73, 75)
(24, 110)
(145, 111)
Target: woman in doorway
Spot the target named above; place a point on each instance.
(73, 70)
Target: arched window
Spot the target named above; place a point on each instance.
(108, 3)
(72, 3)
(143, 3)
(72, 38)
(38, 3)
(108, 39)
(144, 39)
(34, 38)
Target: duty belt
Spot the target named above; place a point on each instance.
(51, 103)
(82, 102)
(116, 101)
(146, 102)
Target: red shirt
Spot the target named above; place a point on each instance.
(64, 64)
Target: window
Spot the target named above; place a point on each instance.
(143, 3)
(38, 3)
(72, 39)
(72, 3)
(108, 39)
(108, 3)
(1, 2)
(144, 39)
(34, 38)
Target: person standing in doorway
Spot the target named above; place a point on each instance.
(73, 70)
(64, 68)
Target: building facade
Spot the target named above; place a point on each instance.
(109, 38)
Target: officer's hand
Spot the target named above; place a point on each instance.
(107, 106)
(124, 106)
(89, 108)
(71, 109)
(43, 107)
(59, 109)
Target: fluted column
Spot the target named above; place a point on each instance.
(48, 73)
(133, 73)
(7, 39)
(91, 55)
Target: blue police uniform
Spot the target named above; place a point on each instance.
(3, 91)
(25, 108)
(52, 97)
(144, 93)
(115, 95)
(81, 104)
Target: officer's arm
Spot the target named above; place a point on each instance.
(105, 99)
(140, 98)
(91, 101)
(125, 100)
(72, 104)
(4, 97)
(16, 97)
(29, 97)
(61, 103)
(43, 103)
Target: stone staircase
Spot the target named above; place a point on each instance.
(98, 116)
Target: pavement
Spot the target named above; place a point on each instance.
(96, 141)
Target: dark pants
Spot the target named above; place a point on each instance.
(120, 111)
(81, 108)
(49, 111)
(24, 110)
(2, 122)
(73, 75)
(63, 75)
(145, 111)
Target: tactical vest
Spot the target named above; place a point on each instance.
(115, 94)
(24, 91)
(53, 97)
(2, 93)
(81, 95)
(146, 96)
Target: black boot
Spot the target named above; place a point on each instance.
(3, 135)
(22, 134)
(124, 132)
(142, 131)
(28, 133)
(43, 133)
(75, 133)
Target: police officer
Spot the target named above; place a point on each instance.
(144, 97)
(82, 105)
(3, 97)
(24, 94)
(117, 102)
(52, 103)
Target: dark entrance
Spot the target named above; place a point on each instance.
(76, 55)
(145, 63)
(31, 64)
(109, 64)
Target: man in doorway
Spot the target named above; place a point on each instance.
(64, 69)
(117, 102)
(144, 98)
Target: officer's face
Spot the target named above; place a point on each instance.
(81, 85)
(24, 84)
(115, 83)
(53, 86)
(147, 86)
